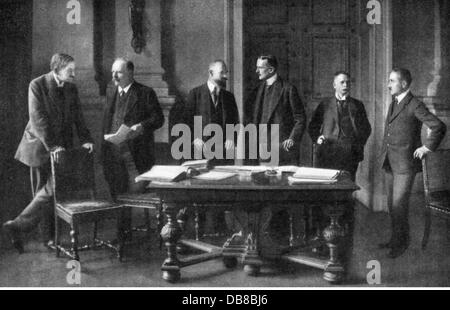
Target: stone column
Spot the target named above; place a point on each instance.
(148, 63)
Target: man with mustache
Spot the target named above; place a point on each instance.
(215, 105)
(340, 128)
(136, 106)
(402, 152)
(54, 110)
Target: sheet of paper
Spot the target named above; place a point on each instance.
(294, 181)
(315, 173)
(215, 176)
(241, 168)
(120, 136)
(162, 174)
(291, 169)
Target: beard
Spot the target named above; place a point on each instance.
(222, 83)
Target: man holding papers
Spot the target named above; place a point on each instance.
(131, 116)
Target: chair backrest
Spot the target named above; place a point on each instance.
(73, 176)
(436, 171)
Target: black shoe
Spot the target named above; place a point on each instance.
(13, 232)
(397, 251)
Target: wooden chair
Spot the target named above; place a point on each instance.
(73, 180)
(436, 179)
(149, 203)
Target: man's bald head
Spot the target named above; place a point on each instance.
(218, 73)
(122, 72)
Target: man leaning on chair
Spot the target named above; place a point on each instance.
(54, 109)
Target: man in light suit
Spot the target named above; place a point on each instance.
(275, 101)
(402, 151)
(340, 128)
(54, 109)
(136, 106)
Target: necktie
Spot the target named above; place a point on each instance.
(215, 96)
(394, 105)
(122, 93)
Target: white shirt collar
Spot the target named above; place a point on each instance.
(272, 79)
(58, 82)
(339, 97)
(125, 89)
(212, 86)
(402, 96)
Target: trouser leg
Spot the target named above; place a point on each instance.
(399, 192)
(41, 204)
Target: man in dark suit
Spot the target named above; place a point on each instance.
(340, 128)
(136, 106)
(402, 151)
(276, 102)
(54, 109)
(215, 105)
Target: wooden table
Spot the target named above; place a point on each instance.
(256, 196)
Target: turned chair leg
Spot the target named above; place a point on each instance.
(120, 237)
(57, 232)
(426, 233)
(94, 241)
(74, 241)
(147, 223)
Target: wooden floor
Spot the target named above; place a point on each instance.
(141, 268)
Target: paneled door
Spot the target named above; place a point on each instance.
(312, 39)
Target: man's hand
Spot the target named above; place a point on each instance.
(421, 152)
(288, 144)
(229, 145)
(198, 144)
(137, 130)
(89, 146)
(320, 140)
(56, 153)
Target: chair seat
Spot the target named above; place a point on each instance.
(84, 206)
(136, 199)
(440, 200)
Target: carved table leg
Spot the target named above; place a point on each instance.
(170, 234)
(251, 258)
(334, 235)
(182, 218)
(160, 221)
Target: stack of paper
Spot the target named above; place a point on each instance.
(314, 176)
(164, 174)
(200, 165)
(215, 176)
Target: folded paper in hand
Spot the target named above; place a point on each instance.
(120, 136)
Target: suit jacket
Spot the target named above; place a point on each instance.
(142, 107)
(47, 127)
(286, 110)
(402, 135)
(199, 104)
(325, 121)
